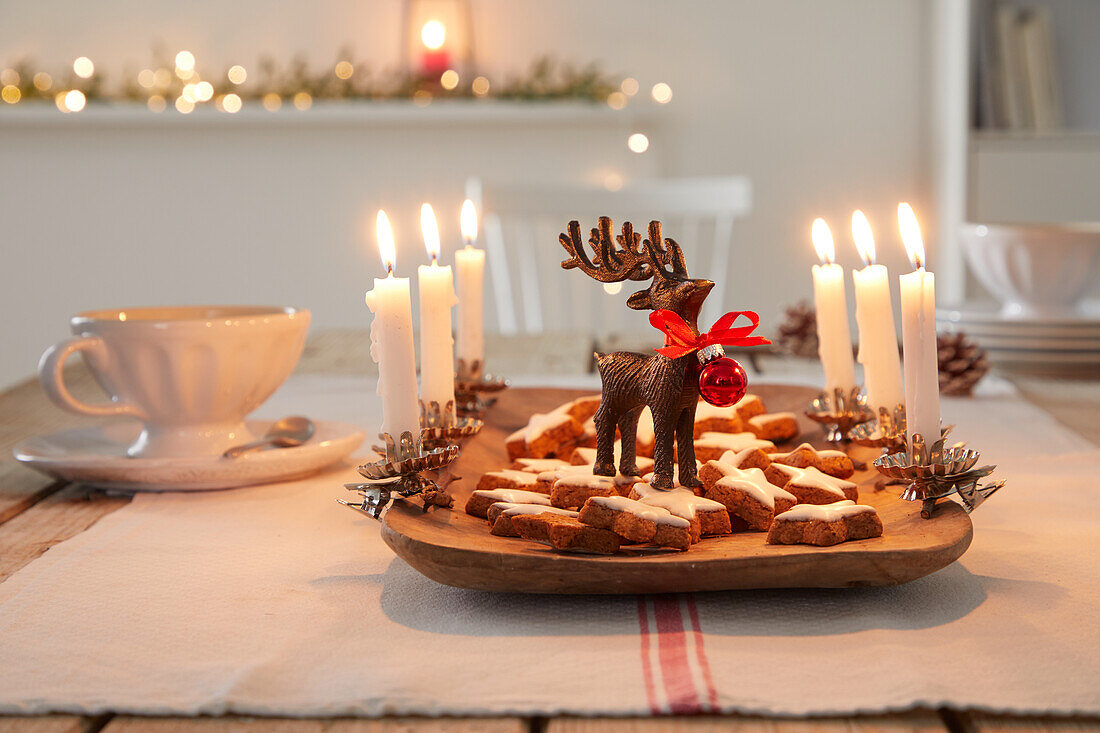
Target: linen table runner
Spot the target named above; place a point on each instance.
(275, 600)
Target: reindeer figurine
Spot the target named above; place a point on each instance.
(631, 382)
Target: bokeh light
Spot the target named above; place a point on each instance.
(185, 61)
(303, 101)
(231, 103)
(638, 143)
(74, 100)
(480, 86)
(661, 93)
(344, 70)
(629, 86)
(272, 102)
(449, 79)
(83, 67)
(237, 74)
(616, 100)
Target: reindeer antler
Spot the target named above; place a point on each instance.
(665, 251)
(611, 264)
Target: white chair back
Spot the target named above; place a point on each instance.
(530, 292)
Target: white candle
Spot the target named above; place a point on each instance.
(391, 343)
(918, 329)
(834, 340)
(470, 264)
(878, 341)
(437, 296)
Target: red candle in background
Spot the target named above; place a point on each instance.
(435, 59)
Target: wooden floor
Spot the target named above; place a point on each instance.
(36, 513)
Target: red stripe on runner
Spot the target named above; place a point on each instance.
(647, 670)
(697, 630)
(672, 652)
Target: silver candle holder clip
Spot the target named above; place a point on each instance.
(839, 412)
(886, 431)
(441, 426)
(471, 382)
(935, 472)
(398, 473)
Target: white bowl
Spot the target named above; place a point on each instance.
(1034, 270)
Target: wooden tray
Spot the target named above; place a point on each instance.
(456, 549)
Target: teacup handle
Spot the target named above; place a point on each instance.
(53, 381)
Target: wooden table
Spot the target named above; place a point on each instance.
(36, 513)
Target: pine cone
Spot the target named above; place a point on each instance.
(962, 363)
(797, 334)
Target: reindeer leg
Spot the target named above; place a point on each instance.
(605, 441)
(664, 432)
(685, 447)
(628, 436)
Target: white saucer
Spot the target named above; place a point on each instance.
(96, 456)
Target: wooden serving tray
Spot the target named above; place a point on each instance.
(451, 547)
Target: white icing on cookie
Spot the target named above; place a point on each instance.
(812, 478)
(733, 441)
(513, 496)
(540, 424)
(816, 453)
(512, 510)
(586, 479)
(707, 411)
(640, 510)
(760, 421)
(748, 399)
(753, 482)
(538, 465)
(734, 458)
(523, 478)
(679, 502)
(824, 512)
(557, 474)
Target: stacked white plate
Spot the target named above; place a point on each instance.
(1069, 341)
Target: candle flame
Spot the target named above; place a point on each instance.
(386, 247)
(468, 219)
(430, 231)
(865, 240)
(823, 241)
(433, 34)
(910, 235)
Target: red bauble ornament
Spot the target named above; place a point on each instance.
(722, 382)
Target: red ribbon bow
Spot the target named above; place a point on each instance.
(681, 339)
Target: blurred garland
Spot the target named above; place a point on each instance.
(164, 84)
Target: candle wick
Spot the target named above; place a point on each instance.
(389, 269)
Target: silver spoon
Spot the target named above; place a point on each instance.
(286, 432)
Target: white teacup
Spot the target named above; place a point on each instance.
(191, 374)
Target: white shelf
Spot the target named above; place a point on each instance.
(1034, 139)
(338, 113)
(1025, 175)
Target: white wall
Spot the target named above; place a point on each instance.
(821, 104)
